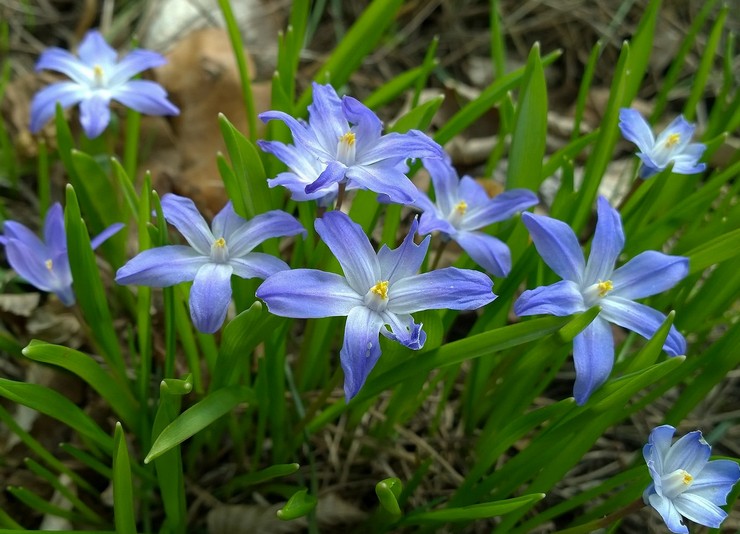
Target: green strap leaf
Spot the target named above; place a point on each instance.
(123, 491)
(473, 512)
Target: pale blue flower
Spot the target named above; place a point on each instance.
(342, 144)
(45, 264)
(97, 77)
(596, 282)
(685, 483)
(462, 207)
(673, 145)
(214, 254)
(378, 293)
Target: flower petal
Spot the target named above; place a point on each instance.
(29, 261)
(404, 330)
(680, 127)
(226, 222)
(54, 234)
(349, 244)
(557, 245)
(210, 296)
(445, 182)
(647, 274)
(367, 125)
(400, 146)
(699, 510)
(668, 512)
(257, 265)
(334, 173)
(636, 129)
(430, 221)
(449, 288)
(716, 480)
(43, 105)
(559, 299)
(274, 223)
(15, 230)
(325, 117)
(405, 260)
(607, 243)
(384, 179)
(641, 319)
(487, 251)
(308, 293)
(60, 60)
(593, 354)
(181, 213)
(302, 135)
(103, 236)
(94, 114)
(659, 443)
(499, 208)
(145, 97)
(360, 349)
(132, 64)
(161, 266)
(689, 453)
(94, 50)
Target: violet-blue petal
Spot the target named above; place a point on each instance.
(593, 355)
(367, 124)
(449, 288)
(15, 230)
(658, 445)
(405, 260)
(401, 146)
(43, 105)
(103, 236)
(326, 118)
(296, 184)
(226, 222)
(360, 349)
(473, 193)
(161, 266)
(648, 167)
(60, 60)
(636, 129)
(257, 265)
(181, 213)
(499, 208)
(689, 453)
(687, 163)
(54, 234)
(430, 222)
(699, 510)
(607, 244)
(641, 319)
(29, 262)
(301, 133)
(132, 64)
(557, 244)
(487, 251)
(347, 241)
(559, 299)
(647, 274)
(145, 97)
(669, 513)
(210, 296)
(334, 173)
(715, 481)
(66, 295)
(303, 163)
(308, 293)
(404, 330)
(445, 182)
(94, 50)
(94, 114)
(678, 126)
(274, 223)
(386, 179)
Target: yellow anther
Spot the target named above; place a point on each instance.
(461, 207)
(605, 287)
(672, 140)
(220, 242)
(381, 289)
(687, 478)
(348, 138)
(48, 264)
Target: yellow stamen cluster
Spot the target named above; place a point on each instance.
(687, 478)
(348, 138)
(605, 287)
(672, 140)
(220, 242)
(48, 264)
(461, 207)
(381, 289)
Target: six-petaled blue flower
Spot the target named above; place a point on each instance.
(592, 283)
(377, 291)
(673, 145)
(685, 483)
(462, 207)
(214, 254)
(45, 264)
(344, 137)
(97, 77)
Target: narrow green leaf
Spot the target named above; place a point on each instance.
(197, 417)
(641, 46)
(262, 476)
(418, 118)
(388, 491)
(473, 512)
(123, 490)
(719, 249)
(299, 505)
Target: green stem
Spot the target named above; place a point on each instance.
(440, 249)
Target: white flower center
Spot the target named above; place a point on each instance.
(49, 264)
(675, 483)
(595, 292)
(219, 251)
(346, 148)
(377, 297)
(672, 140)
(98, 76)
(458, 212)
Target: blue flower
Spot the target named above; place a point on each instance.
(97, 78)
(214, 254)
(685, 483)
(45, 264)
(342, 144)
(672, 145)
(597, 283)
(377, 291)
(462, 206)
